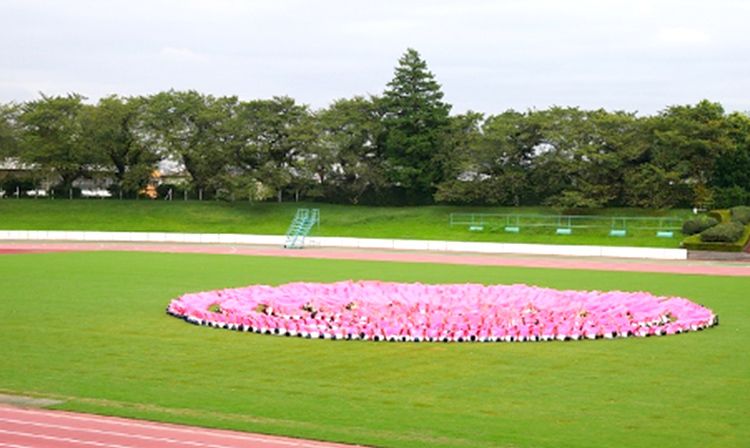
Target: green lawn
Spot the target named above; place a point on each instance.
(90, 328)
(431, 222)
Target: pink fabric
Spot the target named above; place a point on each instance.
(454, 312)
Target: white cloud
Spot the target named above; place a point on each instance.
(182, 55)
(488, 54)
(683, 36)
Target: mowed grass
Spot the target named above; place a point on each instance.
(427, 222)
(90, 329)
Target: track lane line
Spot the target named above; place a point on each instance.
(11, 445)
(113, 433)
(65, 439)
(103, 421)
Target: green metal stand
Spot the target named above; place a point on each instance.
(302, 224)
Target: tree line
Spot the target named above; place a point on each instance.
(400, 147)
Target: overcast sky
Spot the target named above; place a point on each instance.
(488, 55)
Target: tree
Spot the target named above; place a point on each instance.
(731, 180)
(505, 155)
(195, 129)
(9, 135)
(271, 141)
(416, 123)
(346, 160)
(688, 140)
(115, 126)
(52, 139)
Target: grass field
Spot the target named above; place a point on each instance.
(90, 328)
(336, 220)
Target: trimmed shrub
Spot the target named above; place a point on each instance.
(698, 225)
(741, 214)
(727, 232)
(694, 243)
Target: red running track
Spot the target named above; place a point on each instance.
(34, 428)
(694, 267)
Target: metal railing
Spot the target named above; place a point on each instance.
(501, 220)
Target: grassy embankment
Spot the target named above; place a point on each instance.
(90, 328)
(336, 220)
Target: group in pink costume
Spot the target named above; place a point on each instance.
(382, 311)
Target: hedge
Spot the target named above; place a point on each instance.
(698, 225)
(726, 232)
(741, 214)
(694, 243)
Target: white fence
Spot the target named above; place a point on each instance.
(359, 243)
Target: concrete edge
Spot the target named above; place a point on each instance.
(348, 242)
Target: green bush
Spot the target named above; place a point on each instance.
(727, 232)
(698, 225)
(728, 197)
(694, 243)
(741, 214)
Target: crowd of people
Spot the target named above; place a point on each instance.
(384, 311)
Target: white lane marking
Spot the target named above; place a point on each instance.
(173, 427)
(113, 433)
(13, 445)
(64, 439)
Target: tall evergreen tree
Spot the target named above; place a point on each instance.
(416, 125)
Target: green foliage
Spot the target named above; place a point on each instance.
(193, 128)
(650, 186)
(730, 196)
(347, 162)
(694, 242)
(116, 127)
(52, 135)
(271, 140)
(398, 149)
(9, 130)
(688, 142)
(698, 225)
(478, 177)
(732, 177)
(726, 232)
(588, 151)
(741, 214)
(416, 125)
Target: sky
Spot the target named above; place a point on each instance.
(489, 56)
